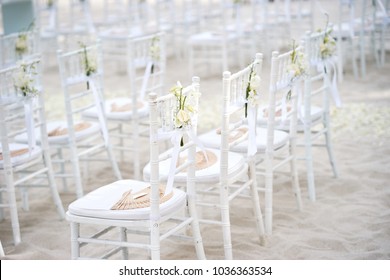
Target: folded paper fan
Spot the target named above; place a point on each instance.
(63, 131)
(15, 153)
(140, 199)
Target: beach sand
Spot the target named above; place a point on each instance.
(349, 220)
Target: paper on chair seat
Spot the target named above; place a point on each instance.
(138, 199)
(20, 153)
(64, 130)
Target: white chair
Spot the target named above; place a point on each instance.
(17, 46)
(47, 24)
(271, 23)
(75, 24)
(319, 89)
(146, 68)
(28, 165)
(279, 146)
(236, 140)
(150, 205)
(381, 22)
(2, 254)
(353, 28)
(220, 43)
(75, 139)
(222, 175)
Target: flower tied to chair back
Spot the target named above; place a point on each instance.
(184, 119)
(89, 62)
(21, 42)
(252, 97)
(154, 51)
(297, 69)
(24, 81)
(184, 109)
(251, 93)
(327, 49)
(24, 84)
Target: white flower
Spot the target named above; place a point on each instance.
(328, 46)
(255, 82)
(182, 118)
(297, 66)
(21, 44)
(155, 49)
(23, 80)
(185, 106)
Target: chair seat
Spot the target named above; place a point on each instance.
(20, 154)
(119, 109)
(213, 139)
(98, 203)
(210, 173)
(57, 135)
(210, 38)
(316, 114)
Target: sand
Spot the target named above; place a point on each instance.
(349, 220)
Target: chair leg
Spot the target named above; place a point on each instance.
(195, 228)
(9, 181)
(125, 250)
(155, 240)
(268, 196)
(225, 219)
(256, 204)
(76, 170)
(114, 164)
(74, 235)
(53, 185)
(294, 177)
(136, 155)
(2, 254)
(330, 149)
(309, 165)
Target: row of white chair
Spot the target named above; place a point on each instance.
(240, 147)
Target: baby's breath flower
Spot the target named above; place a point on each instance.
(23, 80)
(21, 46)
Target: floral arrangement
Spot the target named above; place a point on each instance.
(89, 62)
(251, 93)
(328, 45)
(154, 51)
(184, 108)
(23, 81)
(297, 66)
(21, 45)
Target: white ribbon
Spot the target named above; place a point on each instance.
(99, 109)
(325, 66)
(145, 80)
(252, 147)
(176, 139)
(29, 121)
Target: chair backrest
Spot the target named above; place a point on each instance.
(17, 46)
(21, 108)
(146, 65)
(320, 50)
(81, 74)
(241, 95)
(288, 72)
(47, 17)
(172, 116)
(77, 17)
